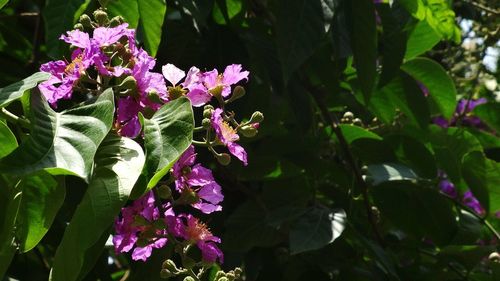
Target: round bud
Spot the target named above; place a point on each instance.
(188, 278)
(101, 17)
(257, 117)
(348, 115)
(206, 123)
(116, 21)
(224, 159)
(164, 191)
(208, 106)
(223, 279)
(357, 122)
(238, 271)
(207, 113)
(165, 274)
(128, 83)
(78, 26)
(85, 21)
(494, 257)
(248, 131)
(238, 92)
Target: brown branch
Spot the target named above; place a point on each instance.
(483, 7)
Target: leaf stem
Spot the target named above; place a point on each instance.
(9, 116)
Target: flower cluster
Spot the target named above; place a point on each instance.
(463, 113)
(105, 55)
(468, 199)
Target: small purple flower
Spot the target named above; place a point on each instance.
(198, 179)
(471, 201)
(448, 188)
(196, 232)
(196, 92)
(464, 108)
(127, 119)
(232, 75)
(228, 136)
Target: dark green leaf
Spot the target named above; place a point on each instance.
(152, 13)
(300, 29)
(364, 43)
(418, 210)
(441, 88)
(489, 114)
(380, 173)
(15, 91)
(166, 136)
(62, 142)
(119, 162)
(483, 178)
(7, 139)
(7, 232)
(42, 196)
(59, 17)
(468, 256)
(3, 2)
(352, 133)
(316, 228)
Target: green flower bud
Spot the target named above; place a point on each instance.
(248, 131)
(348, 116)
(357, 122)
(223, 279)
(171, 266)
(165, 274)
(238, 92)
(101, 17)
(208, 106)
(78, 26)
(116, 21)
(207, 113)
(188, 278)
(257, 117)
(206, 123)
(164, 192)
(85, 21)
(154, 97)
(224, 159)
(128, 83)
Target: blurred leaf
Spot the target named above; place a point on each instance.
(225, 10)
(352, 133)
(59, 17)
(42, 196)
(152, 13)
(421, 39)
(119, 162)
(7, 139)
(62, 142)
(433, 76)
(489, 114)
(7, 241)
(199, 10)
(417, 210)
(300, 29)
(3, 2)
(381, 173)
(415, 7)
(166, 136)
(316, 228)
(128, 9)
(441, 17)
(364, 43)
(483, 178)
(15, 91)
(467, 255)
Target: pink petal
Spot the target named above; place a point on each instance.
(172, 73)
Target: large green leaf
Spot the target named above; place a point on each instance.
(59, 16)
(417, 210)
(42, 196)
(441, 88)
(316, 228)
(380, 173)
(489, 114)
(15, 91)
(119, 162)
(3, 2)
(7, 139)
(421, 39)
(166, 136)
(364, 43)
(352, 133)
(152, 13)
(483, 178)
(62, 142)
(7, 232)
(300, 28)
(128, 9)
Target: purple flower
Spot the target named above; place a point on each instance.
(464, 108)
(471, 201)
(232, 75)
(448, 188)
(198, 179)
(196, 232)
(106, 36)
(127, 119)
(228, 136)
(196, 92)
(136, 226)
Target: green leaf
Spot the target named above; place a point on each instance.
(62, 142)
(441, 88)
(352, 133)
(119, 162)
(7, 139)
(364, 43)
(152, 13)
(42, 196)
(421, 39)
(15, 91)
(417, 210)
(489, 114)
(482, 175)
(166, 136)
(415, 7)
(59, 16)
(380, 173)
(230, 9)
(128, 9)
(300, 29)
(467, 255)
(7, 240)
(316, 228)
(3, 2)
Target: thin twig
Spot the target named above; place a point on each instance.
(9, 116)
(482, 7)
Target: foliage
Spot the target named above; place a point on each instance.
(378, 159)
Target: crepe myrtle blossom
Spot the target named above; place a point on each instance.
(216, 83)
(191, 87)
(194, 231)
(464, 108)
(197, 182)
(228, 136)
(135, 228)
(468, 199)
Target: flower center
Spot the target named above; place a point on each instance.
(228, 132)
(76, 63)
(198, 231)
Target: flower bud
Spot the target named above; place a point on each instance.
(206, 123)
(238, 92)
(357, 122)
(101, 17)
(116, 21)
(223, 279)
(207, 113)
(128, 83)
(165, 274)
(164, 191)
(348, 116)
(257, 117)
(248, 131)
(208, 106)
(170, 266)
(188, 278)
(78, 26)
(85, 21)
(494, 257)
(224, 159)
(154, 97)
